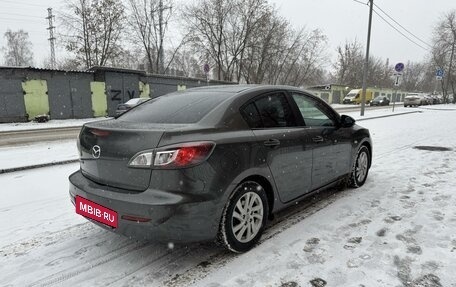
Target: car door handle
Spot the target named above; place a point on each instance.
(317, 139)
(272, 143)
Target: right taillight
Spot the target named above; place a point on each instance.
(175, 156)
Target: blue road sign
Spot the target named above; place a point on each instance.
(399, 67)
(439, 72)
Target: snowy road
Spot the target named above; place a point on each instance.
(398, 229)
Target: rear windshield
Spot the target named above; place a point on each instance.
(181, 107)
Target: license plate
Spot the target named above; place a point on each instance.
(96, 212)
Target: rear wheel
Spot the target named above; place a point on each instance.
(244, 217)
(360, 168)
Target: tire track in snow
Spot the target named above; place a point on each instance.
(24, 247)
(165, 259)
(78, 270)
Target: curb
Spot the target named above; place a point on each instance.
(387, 116)
(21, 168)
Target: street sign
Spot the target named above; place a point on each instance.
(206, 68)
(397, 78)
(439, 73)
(397, 81)
(399, 67)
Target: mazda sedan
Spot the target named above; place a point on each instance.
(214, 163)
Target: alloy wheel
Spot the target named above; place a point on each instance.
(247, 217)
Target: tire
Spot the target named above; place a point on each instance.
(240, 228)
(360, 167)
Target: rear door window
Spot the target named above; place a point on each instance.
(269, 111)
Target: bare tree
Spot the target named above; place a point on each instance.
(149, 22)
(349, 64)
(222, 30)
(443, 52)
(413, 76)
(187, 64)
(247, 41)
(94, 29)
(265, 49)
(348, 69)
(18, 50)
(304, 59)
(207, 20)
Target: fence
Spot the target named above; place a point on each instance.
(27, 92)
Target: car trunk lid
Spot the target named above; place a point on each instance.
(106, 148)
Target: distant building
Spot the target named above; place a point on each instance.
(330, 93)
(335, 93)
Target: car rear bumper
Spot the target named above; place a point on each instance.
(414, 103)
(173, 217)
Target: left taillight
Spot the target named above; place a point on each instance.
(175, 156)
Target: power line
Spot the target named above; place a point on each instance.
(416, 37)
(22, 3)
(21, 20)
(397, 30)
(362, 2)
(20, 15)
(30, 32)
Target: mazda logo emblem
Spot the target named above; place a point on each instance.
(96, 151)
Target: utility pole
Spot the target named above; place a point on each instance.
(51, 39)
(161, 64)
(366, 61)
(162, 24)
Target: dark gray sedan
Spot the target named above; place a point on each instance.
(214, 163)
(380, 101)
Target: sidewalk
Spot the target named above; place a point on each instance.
(22, 157)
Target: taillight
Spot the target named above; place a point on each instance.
(175, 156)
(100, 133)
(143, 159)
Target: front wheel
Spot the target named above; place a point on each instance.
(244, 217)
(360, 167)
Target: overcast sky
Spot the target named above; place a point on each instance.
(340, 20)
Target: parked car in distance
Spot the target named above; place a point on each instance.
(214, 163)
(380, 101)
(429, 99)
(436, 99)
(122, 108)
(414, 99)
(354, 97)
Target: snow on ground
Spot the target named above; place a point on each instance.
(6, 127)
(396, 230)
(38, 153)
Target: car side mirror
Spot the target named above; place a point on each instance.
(347, 121)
